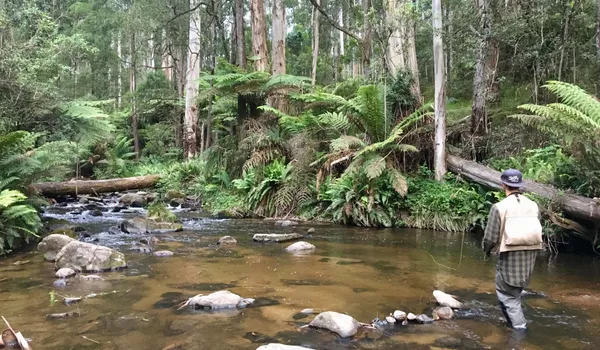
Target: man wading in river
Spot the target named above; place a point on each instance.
(514, 233)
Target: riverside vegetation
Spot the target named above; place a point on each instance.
(347, 140)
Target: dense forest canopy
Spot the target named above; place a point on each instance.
(325, 109)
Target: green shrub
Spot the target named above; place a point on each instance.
(19, 221)
(446, 206)
(158, 211)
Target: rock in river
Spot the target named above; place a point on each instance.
(286, 223)
(65, 272)
(443, 313)
(133, 200)
(275, 346)
(445, 299)
(422, 318)
(399, 315)
(163, 253)
(52, 244)
(300, 247)
(141, 225)
(227, 240)
(81, 256)
(274, 237)
(344, 325)
(223, 299)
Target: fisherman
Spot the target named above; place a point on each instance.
(514, 234)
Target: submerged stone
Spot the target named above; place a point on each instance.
(443, 313)
(223, 299)
(256, 337)
(205, 286)
(227, 240)
(65, 272)
(276, 237)
(277, 346)
(300, 247)
(308, 282)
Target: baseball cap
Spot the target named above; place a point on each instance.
(512, 178)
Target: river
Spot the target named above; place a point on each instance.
(365, 273)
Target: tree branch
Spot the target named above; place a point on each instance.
(334, 23)
(185, 13)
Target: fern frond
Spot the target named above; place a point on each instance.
(374, 166)
(345, 143)
(398, 181)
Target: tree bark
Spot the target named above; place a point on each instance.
(366, 40)
(277, 100)
(51, 189)
(598, 32)
(479, 117)
(395, 50)
(167, 59)
(579, 207)
(132, 87)
(190, 120)
(240, 43)
(119, 72)
(411, 57)
(259, 35)
(440, 92)
(315, 44)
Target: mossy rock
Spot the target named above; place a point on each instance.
(172, 194)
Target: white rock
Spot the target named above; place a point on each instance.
(81, 256)
(275, 237)
(52, 244)
(223, 299)
(400, 315)
(411, 317)
(227, 240)
(443, 313)
(390, 319)
(446, 299)
(274, 346)
(345, 326)
(65, 272)
(307, 311)
(300, 246)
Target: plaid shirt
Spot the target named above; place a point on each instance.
(515, 267)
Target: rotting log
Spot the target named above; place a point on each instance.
(77, 187)
(577, 207)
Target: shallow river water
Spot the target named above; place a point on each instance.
(365, 273)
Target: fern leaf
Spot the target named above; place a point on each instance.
(398, 181)
(374, 166)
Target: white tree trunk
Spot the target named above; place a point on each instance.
(150, 63)
(411, 58)
(119, 72)
(278, 42)
(440, 92)
(315, 44)
(341, 20)
(190, 121)
(259, 34)
(395, 50)
(479, 120)
(167, 59)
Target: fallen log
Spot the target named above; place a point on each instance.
(575, 206)
(77, 187)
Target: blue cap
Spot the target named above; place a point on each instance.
(512, 178)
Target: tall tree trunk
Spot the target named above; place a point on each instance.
(395, 49)
(213, 64)
(240, 43)
(565, 38)
(259, 35)
(598, 32)
(411, 57)
(167, 59)
(119, 73)
(440, 92)
(278, 52)
(190, 121)
(366, 40)
(479, 117)
(132, 87)
(315, 44)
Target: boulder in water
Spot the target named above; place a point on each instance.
(344, 325)
(286, 223)
(443, 313)
(227, 240)
(276, 346)
(134, 200)
(274, 237)
(223, 299)
(81, 256)
(399, 315)
(411, 316)
(172, 194)
(52, 244)
(65, 272)
(96, 212)
(390, 319)
(422, 318)
(300, 247)
(141, 225)
(163, 253)
(445, 299)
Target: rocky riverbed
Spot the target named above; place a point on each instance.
(372, 280)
